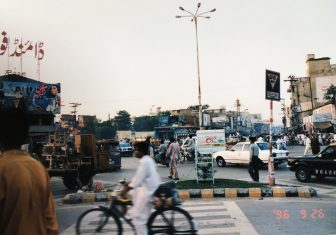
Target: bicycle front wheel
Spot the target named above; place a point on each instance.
(172, 220)
(98, 221)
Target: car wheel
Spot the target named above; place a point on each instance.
(220, 162)
(302, 174)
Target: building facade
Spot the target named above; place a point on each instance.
(307, 93)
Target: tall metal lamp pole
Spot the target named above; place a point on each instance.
(194, 17)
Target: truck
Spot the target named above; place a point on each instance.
(65, 154)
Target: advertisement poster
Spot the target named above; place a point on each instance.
(210, 141)
(38, 97)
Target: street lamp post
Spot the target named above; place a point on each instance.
(194, 17)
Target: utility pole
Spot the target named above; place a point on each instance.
(284, 119)
(194, 18)
(74, 105)
(238, 104)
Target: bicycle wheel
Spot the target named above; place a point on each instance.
(98, 221)
(172, 220)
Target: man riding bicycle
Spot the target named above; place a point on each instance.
(143, 185)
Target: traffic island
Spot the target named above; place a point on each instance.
(223, 188)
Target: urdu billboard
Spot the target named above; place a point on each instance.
(38, 97)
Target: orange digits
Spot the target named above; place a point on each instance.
(320, 214)
(286, 214)
(303, 213)
(278, 214)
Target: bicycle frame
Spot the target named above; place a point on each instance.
(114, 209)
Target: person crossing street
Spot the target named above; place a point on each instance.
(174, 154)
(254, 160)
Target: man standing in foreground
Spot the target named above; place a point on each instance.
(254, 160)
(174, 154)
(26, 202)
(144, 183)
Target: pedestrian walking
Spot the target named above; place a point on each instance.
(315, 144)
(143, 185)
(254, 160)
(308, 145)
(174, 154)
(26, 202)
(150, 147)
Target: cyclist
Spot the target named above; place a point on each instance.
(143, 185)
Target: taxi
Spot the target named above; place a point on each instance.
(321, 165)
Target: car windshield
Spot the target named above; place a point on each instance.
(125, 145)
(263, 146)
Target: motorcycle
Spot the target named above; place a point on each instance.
(187, 154)
(161, 158)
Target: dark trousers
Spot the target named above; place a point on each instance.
(254, 170)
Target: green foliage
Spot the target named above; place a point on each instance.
(219, 183)
(123, 121)
(146, 123)
(164, 113)
(105, 130)
(331, 91)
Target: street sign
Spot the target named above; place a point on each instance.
(272, 85)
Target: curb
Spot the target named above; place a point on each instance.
(305, 192)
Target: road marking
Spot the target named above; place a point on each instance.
(241, 221)
(212, 217)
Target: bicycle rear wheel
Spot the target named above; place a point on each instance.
(98, 221)
(172, 220)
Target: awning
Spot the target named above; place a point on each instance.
(322, 120)
(322, 125)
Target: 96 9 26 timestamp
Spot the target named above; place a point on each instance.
(303, 213)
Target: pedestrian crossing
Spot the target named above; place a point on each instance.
(213, 217)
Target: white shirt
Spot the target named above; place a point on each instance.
(151, 151)
(308, 141)
(146, 176)
(254, 150)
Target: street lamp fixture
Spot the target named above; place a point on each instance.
(194, 17)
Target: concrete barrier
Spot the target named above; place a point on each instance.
(278, 191)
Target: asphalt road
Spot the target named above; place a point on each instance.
(265, 216)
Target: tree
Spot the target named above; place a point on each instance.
(105, 130)
(164, 113)
(123, 120)
(146, 123)
(330, 94)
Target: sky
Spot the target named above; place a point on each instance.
(112, 55)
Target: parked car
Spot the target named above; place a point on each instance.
(321, 165)
(126, 149)
(240, 154)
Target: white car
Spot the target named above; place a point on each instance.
(240, 154)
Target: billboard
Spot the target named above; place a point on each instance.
(322, 85)
(38, 97)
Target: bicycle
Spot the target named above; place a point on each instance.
(167, 218)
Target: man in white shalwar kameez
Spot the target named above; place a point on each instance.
(143, 185)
